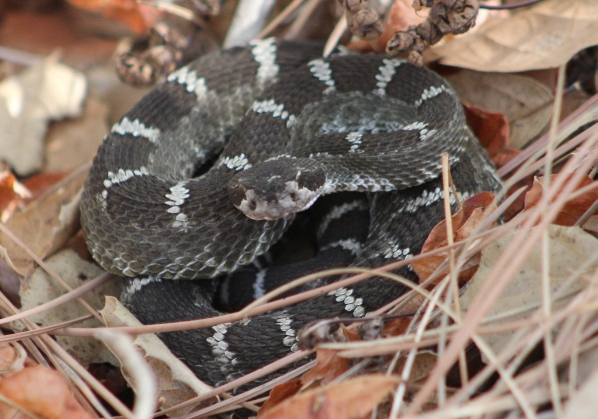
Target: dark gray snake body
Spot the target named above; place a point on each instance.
(372, 123)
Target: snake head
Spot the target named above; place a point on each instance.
(277, 187)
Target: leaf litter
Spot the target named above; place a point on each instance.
(555, 285)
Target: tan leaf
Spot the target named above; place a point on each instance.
(41, 288)
(73, 142)
(583, 403)
(424, 362)
(45, 225)
(584, 366)
(546, 35)
(349, 399)
(411, 306)
(44, 91)
(524, 101)
(591, 226)
(570, 248)
(43, 393)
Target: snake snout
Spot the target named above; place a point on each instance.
(277, 188)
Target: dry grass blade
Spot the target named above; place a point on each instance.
(584, 114)
(301, 19)
(142, 375)
(225, 405)
(55, 353)
(511, 259)
(280, 18)
(243, 380)
(335, 36)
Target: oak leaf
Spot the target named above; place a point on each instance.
(525, 102)
(546, 35)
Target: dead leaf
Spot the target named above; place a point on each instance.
(13, 358)
(546, 35)
(74, 142)
(464, 221)
(329, 366)
(492, 129)
(128, 12)
(572, 210)
(12, 194)
(281, 392)
(412, 305)
(396, 327)
(583, 403)
(41, 288)
(39, 184)
(45, 225)
(15, 195)
(525, 102)
(176, 382)
(40, 392)
(424, 362)
(591, 226)
(517, 206)
(45, 91)
(585, 366)
(352, 398)
(570, 248)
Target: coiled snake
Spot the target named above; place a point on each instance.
(283, 126)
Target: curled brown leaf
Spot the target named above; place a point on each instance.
(573, 209)
(464, 222)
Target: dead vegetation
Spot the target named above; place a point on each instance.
(503, 323)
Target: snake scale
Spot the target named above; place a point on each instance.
(311, 126)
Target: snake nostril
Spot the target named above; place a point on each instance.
(293, 196)
(252, 205)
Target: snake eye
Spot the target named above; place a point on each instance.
(252, 205)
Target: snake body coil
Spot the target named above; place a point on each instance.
(362, 123)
